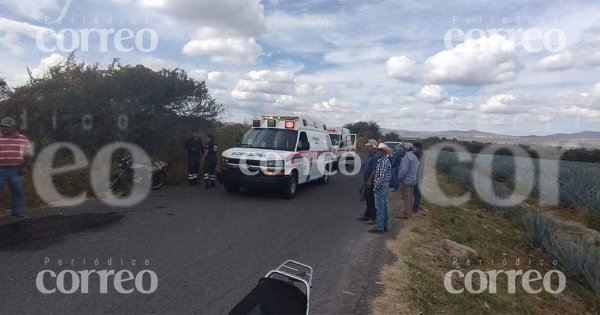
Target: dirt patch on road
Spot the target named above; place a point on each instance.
(36, 233)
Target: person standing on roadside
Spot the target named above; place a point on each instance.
(383, 174)
(15, 153)
(396, 158)
(408, 179)
(418, 151)
(210, 162)
(195, 149)
(368, 175)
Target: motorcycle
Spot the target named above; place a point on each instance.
(155, 172)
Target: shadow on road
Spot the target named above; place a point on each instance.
(39, 233)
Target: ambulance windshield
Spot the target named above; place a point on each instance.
(335, 138)
(270, 138)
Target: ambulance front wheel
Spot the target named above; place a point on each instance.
(291, 186)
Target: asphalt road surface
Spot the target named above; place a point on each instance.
(207, 248)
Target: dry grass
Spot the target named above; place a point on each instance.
(414, 284)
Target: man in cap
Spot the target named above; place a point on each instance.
(15, 151)
(383, 174)
(408, 179)
(368, 176)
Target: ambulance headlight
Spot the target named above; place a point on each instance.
(274, 163)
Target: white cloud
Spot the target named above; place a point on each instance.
(157, 64)
(226, 30)
(560, 61)
(455, 103)
(264, 86)
(233, 17)
(595, 91)
(244, 96)
(304, 89)
(363, 53)
(34, 9)
(440, 114)
(485, 60)
(432, 94)
(41, 68)
(500, 104)
(223, 49)
(199, 74)
(290, 102)
(10, 32)
(585, 53)
(401, 68)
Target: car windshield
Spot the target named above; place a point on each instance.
(335, 138)
(274, 139)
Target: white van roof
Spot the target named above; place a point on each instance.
(336, 130)
(288, 122)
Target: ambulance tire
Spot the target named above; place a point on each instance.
(231, 187)
(289, 191)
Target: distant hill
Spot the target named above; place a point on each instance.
(587, 139)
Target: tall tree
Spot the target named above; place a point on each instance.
(369, 130)
(4, 89)
(391, 136)
(90, 105)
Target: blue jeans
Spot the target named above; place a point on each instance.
(13, 177)
(381, 206)
(416, 198)
(370, 211)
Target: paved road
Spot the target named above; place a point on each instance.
(208, 249)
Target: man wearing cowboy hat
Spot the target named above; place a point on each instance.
(383, 174)
(15, 150)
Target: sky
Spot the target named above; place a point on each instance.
(511, 67)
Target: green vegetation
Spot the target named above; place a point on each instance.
(580, 259)
(91, 106)
(415, 282)
(368, 130)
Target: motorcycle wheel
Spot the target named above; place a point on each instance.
(158, 180)
(115, 182)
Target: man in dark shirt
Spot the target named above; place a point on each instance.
(195, 149)
(368, 177)
(210, 162)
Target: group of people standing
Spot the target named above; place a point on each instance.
(383, 169)
(197, 151)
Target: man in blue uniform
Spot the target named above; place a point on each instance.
(195, 149)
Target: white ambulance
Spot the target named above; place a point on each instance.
(342, 142)
(280, 152)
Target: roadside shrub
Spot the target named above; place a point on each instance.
(594, 281)
(577, 257)
(593, 219)
(539, 228)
